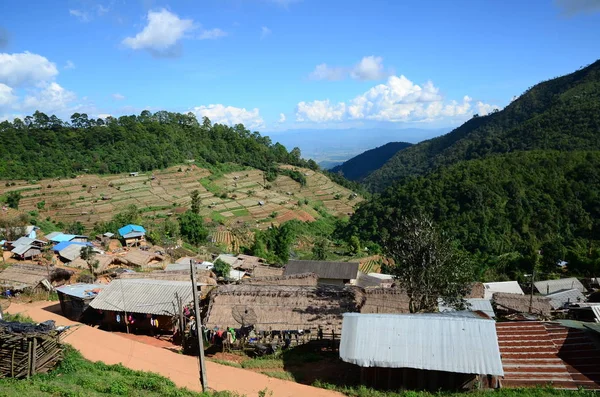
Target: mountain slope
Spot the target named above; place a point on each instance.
(501, 205)
(362, 165)
(561, 114)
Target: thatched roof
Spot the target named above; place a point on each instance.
(385, 300)
(24, 276)
(516, 303)
(170, 276)
(248, 262)
(104, 262)
(306, 279)
(282, 307)
(139, 258)
(477, 291)
(265, 271)
(324, 269)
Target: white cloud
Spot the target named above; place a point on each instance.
(104, 115)
(230, 115)
(7, 98)
(52, 98)
(368, 68)
(264, 32)
(282, 118)
(118, 97)
(25, 68)
(212, 34)
(324, 72)
(101, 10)
(81, 15)
(161, 34)
(69, 65)
(399, 100)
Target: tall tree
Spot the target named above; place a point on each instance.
(427, 265)
(319, 250)
(195, 195)
(88, 255)
(192, 228)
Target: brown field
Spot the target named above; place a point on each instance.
(81, 198)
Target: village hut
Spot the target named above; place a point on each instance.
(563, 299)
(141, 304)
(547, 287)
(282, 308)
(28, 278)
(422, 351)
(506, 303)
(334, 273)
(385, 300)
(133, 235)
(207, 277)
(509, 287)
(266, 271)
(143, 259)
(76, 298)
(364, 280)
(24, 252)
(304, 279)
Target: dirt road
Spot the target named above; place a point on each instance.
(97, 345)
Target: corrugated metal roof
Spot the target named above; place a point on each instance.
(131, 228)
(452, 343)
(178, 267)
(551, 286)
(474, 304)
(143, 296)
(509, 287)
(364, 280)
(27, 241)
(229, 259)
(62, 237)
(382, 276)
(62, 245)
(236, 274)
(71, 252)
(50, 236)
(324, 269)
(21, 249)
(564, 298)
(80, 290)
(133, 235)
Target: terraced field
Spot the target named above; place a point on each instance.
(232, 199)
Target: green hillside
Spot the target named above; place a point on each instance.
(41, 146)
(561, 114)
(503, 208)
(358, 167)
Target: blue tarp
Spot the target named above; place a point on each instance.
(131, 228)
(64, 244)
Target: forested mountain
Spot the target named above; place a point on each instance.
(502, 209)
(360, 166)
(42, 146)
(560, 114)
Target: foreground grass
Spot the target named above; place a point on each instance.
(78, 377)
(363, 391)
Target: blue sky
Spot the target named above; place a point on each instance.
(276, 65)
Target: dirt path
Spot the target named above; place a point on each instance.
(97, 345)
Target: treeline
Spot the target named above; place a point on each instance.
(40, 146)
(503, 210)
(559, 114)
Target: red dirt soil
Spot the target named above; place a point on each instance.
(98, 345)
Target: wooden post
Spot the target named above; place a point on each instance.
(34, 357)
(203, 380)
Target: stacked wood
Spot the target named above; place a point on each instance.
(27, 349)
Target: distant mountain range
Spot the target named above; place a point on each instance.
(330, 147)
(360, 166)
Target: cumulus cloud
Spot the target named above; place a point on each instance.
(230, 115)
(118, 97)
(161, 34)
(212, 34)
(69, 65)
(7, 97)
(572, 7)
(81, 15)
(399, 100)
(368, 68)
(25, 68)
(282, 118)
(52, 98)
(264, 32)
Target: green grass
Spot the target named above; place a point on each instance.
(241, 212)
(77, 377)
(211, 186)
(217, 217)
(363, 391)
(263, 363)
(225, 362)
(279, 375)
(18, 317)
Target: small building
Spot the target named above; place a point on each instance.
(547, 287)
(133, 235)
(334, 273)
(422, 351)
(306, 279)
(28, 241)
(134, 174)
(28, 278)
(508, 287)
(62, 237)
(563, 299)
(73, 251)
(76, 298)
(26, 252)
(151, 304)
(516, 304)
(364, 281)
(143, 259)
(61, 246)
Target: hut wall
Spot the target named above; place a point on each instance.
(385, 300)
(410, 378)
(331, 281)
(140, 324)
(73, 307)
